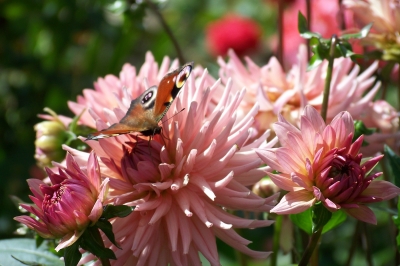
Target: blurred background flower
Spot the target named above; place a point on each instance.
(242, 35)
(385, 30)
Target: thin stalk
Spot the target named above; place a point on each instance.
(308, 15)
(366, 244)
(280, 33)
(311, 247)
(277, 234)
(325, 101)
(354, 243)
(342, 17)
(398, 88)
(168, 30)
(240, 257)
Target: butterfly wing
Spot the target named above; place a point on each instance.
(138, 118)
(149, 108)
(169, 88)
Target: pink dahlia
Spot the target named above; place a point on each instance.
(279, 92)
(184, 181)
(233, 32)
(319, 163)
(385, 30)
(69, 205)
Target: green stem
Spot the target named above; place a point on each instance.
(168, 30)
(277, 234)
(325, 101)
(311, 247)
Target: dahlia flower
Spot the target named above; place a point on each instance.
(69, 205)
(182, 182)
(386, 24)
(319, 163)
(233, 32)
(288, 93)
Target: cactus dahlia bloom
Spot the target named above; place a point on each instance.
(187, 181)
(319, 162)
(71, 203)
(288, 93)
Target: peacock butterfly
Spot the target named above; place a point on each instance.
(147, 110)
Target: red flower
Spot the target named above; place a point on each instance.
(233, 32)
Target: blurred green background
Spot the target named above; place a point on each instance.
(52, 49)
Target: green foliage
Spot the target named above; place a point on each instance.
(17, 251)
(304, 220)
(394, 164)
(321, 47)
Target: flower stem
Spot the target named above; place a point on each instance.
(168, 30)
(280, 33)
(311, 247)
(325, 101)
(277, 234)
(308, 15)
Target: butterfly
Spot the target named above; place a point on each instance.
(147, 110)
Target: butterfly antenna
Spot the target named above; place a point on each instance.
(163, 122)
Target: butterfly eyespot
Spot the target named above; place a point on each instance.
(147, 97)
(183, 76)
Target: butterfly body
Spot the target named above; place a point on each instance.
(147, 110)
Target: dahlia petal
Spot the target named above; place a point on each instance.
(172, 223)
(381, 189)
(200, 182)
(68, 240)
(283, 181)
(269, 157)
(289, 160)
(96, 212)
(294, 202)
(314, 117)
(362, 213)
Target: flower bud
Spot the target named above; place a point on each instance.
(50, 135)
(265, 188)
(69, 205)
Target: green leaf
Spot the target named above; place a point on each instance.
(111, 211)
(303, 220)
(72, 254)
(337, 218)
(303, 28)
(92, 242)
(25, 250)
(345, 50)
(394, 163)
(358, 35)
(106, 227)
(320, 216)
(315, 61)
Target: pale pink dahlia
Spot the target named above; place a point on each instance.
(319, 162)
(385, 16)
(186, 182)
(69, 205)
(279, 92)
